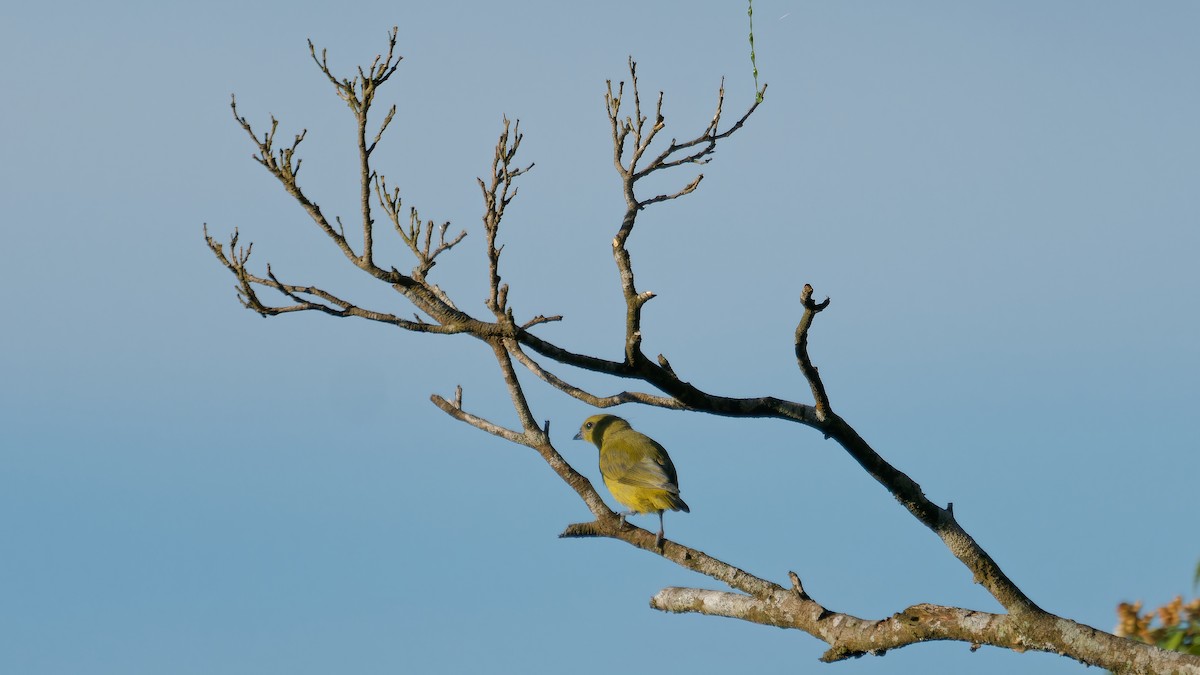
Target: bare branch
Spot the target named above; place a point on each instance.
(942, 521)
(236, 261)
(701, 147)
(284, 169)
(337, 306)
(455, 410)
(540, 319)
(323, 64)
(685, 190)
(612, 106)
(686, 394)
(382, 128)
(600, 402)
(497, 193)
(706, 142)
(532, 435)
(416, 235)
(359, 94)
(806, 365)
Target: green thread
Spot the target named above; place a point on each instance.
(758, 95)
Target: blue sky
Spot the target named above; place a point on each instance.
(1000, 199)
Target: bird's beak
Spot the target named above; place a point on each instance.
(578, 436)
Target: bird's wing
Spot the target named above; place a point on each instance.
(625, 464)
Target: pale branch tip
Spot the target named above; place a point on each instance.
(666, 365)
(797, 587)
(807, 301)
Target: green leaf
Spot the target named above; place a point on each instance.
(1173, 640)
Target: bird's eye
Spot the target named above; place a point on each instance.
(588, 425)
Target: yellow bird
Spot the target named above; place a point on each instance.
(636, 469)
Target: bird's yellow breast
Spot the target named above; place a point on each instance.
(641, 499)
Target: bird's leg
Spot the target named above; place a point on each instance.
(658, 542)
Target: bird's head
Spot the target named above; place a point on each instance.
(596, 426)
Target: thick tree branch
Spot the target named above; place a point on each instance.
(687, 395)
(849, 636)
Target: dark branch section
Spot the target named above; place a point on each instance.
(638, 152)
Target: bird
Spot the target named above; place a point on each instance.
(636, 469)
